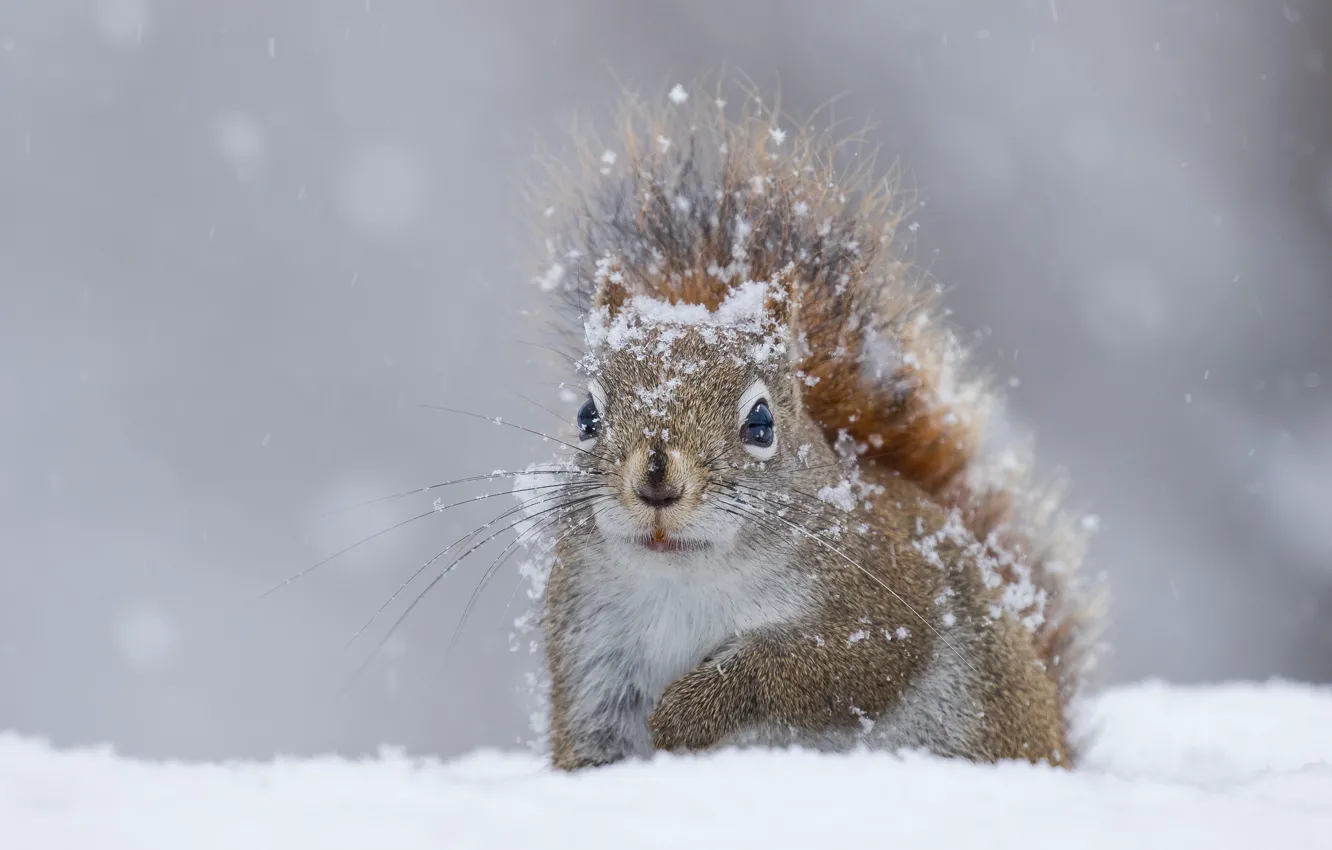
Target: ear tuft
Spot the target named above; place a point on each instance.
(611, 291)
(782, 305)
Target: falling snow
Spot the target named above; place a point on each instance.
(383, 188)
(243, 142)
(145, 637)
(123, 23)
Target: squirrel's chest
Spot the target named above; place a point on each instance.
(636, 624)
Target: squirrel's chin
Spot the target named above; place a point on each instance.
(666, 543)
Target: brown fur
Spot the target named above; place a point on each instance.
(817, 679)
(880, 375)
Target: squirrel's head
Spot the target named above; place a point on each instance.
(694, 414)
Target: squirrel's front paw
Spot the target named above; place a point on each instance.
(701, 708)
(686, 718)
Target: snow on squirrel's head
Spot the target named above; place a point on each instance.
(687, 407)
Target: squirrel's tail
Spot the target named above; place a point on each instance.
(888, 379)
(692, 196)
(921, 417)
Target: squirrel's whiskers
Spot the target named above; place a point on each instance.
(542, 505)
(551, 512)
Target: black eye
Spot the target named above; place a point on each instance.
(589, 420)
(757, 430)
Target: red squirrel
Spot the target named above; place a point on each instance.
(784, 530)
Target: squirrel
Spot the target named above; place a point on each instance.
(778, 526)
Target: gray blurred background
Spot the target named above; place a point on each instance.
(242, 242)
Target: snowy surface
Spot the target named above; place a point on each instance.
(1217, 767)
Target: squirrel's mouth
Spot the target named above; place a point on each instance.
(659, 541)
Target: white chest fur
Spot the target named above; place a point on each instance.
(642, 619)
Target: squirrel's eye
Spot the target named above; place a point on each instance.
(589, 420)
(758, 434)
(758, 431)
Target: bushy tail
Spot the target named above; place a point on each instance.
(693, 194)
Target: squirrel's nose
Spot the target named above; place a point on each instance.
(659, 495)
(655, 492)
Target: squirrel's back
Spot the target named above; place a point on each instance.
(696, 195)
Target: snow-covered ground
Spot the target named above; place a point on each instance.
(1216, 767)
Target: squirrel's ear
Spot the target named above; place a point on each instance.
(611, 293)
(783, 309)
(783, 302)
